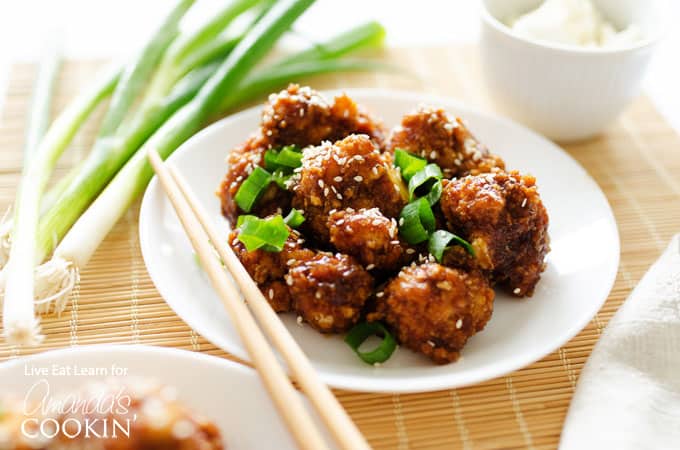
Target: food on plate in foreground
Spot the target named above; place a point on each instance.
(136, 415)
(398, 233)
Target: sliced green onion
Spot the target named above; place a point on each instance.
(363, 331)
(439, 241)
(418, 221)
(252, 188)
(268, 234)
(423, 180)
(435, 193)
(281, 179)
(287, 159)
(294, 218)
(408, 163)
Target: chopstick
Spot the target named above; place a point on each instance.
(343, 429)
(277, 383)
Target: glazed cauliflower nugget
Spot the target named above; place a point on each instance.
(329, 291)
(352, 173)
(370, 237)
(435, 309)
(441, 139)
(503, 217)
(295, 116)
(269, 268)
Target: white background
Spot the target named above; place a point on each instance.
(102, 29)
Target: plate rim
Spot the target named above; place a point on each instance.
(433, 382)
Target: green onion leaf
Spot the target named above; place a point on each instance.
(294, 218)
(252, 188)
(281, 179)
(363, 331)
(424, 179)
(286, 160)
(269, 234)
(408, 163)
(439, 241)
(418, 221)
(435, 193)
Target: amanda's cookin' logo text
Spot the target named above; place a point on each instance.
(93, 414)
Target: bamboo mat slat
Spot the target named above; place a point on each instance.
(636, 163)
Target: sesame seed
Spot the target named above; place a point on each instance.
(375, 170)
(430, 343)
(291, 261)
(289, 280)
(524, 202)
(433, 155)
(401, 221)
(337, 179)
(340, 222)
(317, 294)
(379, 294)
(376, 364)
(444, 285)
(358, 178)
(270, 294)
(321, 183)
(517, 291)
(325, 192)
(376, 222)
(410, 251)
(370, 267)
(459, 324)
(299, 320)
(339, 196)
(395, 242)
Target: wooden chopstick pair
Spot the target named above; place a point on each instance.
(201, 232)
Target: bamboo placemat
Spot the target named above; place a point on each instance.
(636, 163)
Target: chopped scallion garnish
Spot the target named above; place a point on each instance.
(439, 241)
(423, 180)
(363, 331)
(252, 188)
(281, 179)
(268, 234)
(418, 221)
(286, 160)
(294, 218)
(435, 193)
(408, 163)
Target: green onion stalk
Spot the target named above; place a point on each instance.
(21, 326)
(58, 275)
(37, 126)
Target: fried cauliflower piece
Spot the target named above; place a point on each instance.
(433, 134)
(329, 291)
(302, 116)
(352, 173)
(242, 161)
(501, 214)
(269, 268)
(434, 309)
(296, 116)
(370, 237)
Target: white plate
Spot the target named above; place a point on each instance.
(581, 266)
(230, 394)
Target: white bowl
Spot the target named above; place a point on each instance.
(566, 92)
(582, 263)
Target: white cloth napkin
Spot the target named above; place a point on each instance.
(628, 395)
